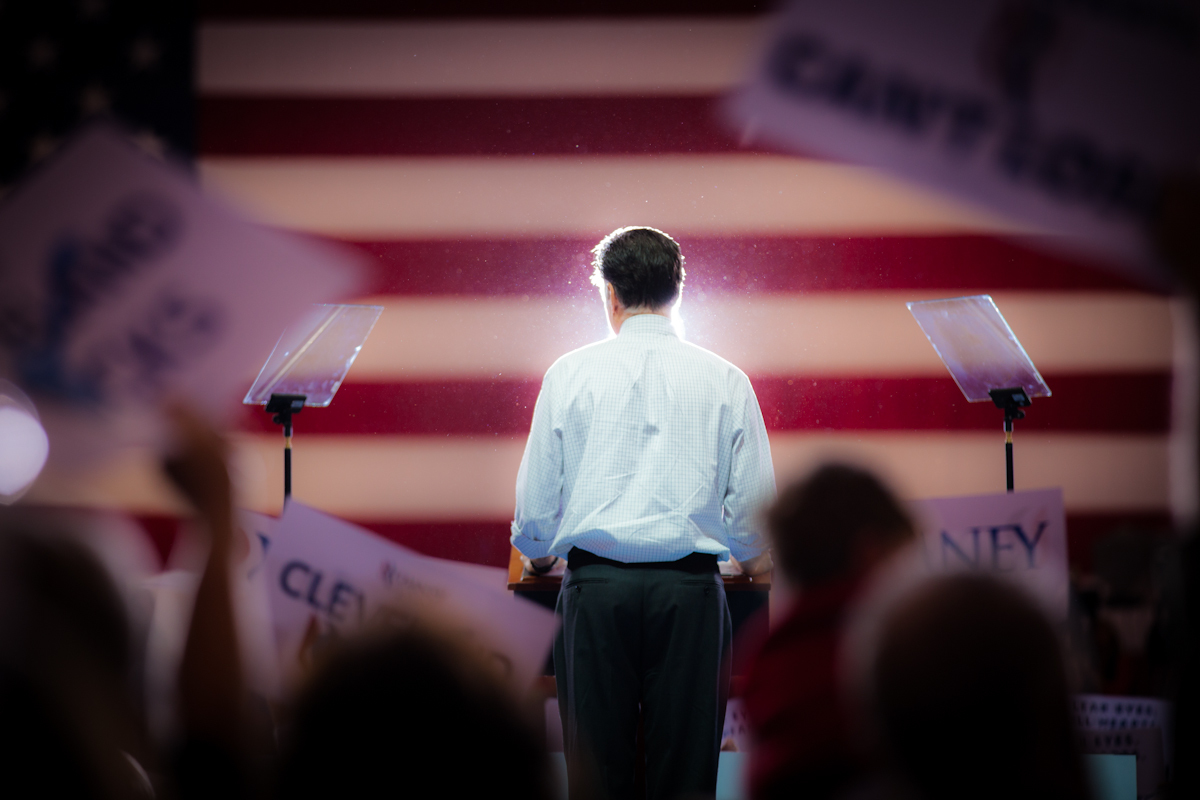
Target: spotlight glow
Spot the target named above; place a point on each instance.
(677, 321)
(23, 445)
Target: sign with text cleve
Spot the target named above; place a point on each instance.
(327, 577)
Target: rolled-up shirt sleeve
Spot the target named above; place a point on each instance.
(751, 483)
(539, 482)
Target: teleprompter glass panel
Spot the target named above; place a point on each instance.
(977, 346)
(314, 354)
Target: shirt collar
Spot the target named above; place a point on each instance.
(643, 324)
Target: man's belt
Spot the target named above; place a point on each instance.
(695, 562)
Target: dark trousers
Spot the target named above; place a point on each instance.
(657, 635)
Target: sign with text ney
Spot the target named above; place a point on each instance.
(1017, 535)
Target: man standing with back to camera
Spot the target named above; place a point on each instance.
(647, 462)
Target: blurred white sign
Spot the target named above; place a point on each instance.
(1063, 116)
(326, 577)
(25, 446)
(1098, 714)
(253, 607)
(121, 283)
(1017, 535)
(737, 726)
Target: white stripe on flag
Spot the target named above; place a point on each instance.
(857, 334)
(545, 57)
(388, 198)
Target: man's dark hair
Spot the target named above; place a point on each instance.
(816, 524)
(644, 265)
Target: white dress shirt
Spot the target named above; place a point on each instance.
(644, 448)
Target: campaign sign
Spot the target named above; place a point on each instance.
(252, 607)
(122, 283)
(326, 578)
(1017, 535)
(1099, 714)
(1062, 116)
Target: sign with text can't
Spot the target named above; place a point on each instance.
(1020, 536)
(1065, 117)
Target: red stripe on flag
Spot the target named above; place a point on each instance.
(486, 541)
(1081, 403)
(465, 408)
(461, 126)
(491, 267)
(1084, 530)
(162, 531)
(483, 542)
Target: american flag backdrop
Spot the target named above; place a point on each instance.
(478, 158)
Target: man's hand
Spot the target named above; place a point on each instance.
(758, 565)
(539, 566)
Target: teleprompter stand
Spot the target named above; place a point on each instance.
(984, 358)
(1011, 400)
(308, 365)
(283, 406)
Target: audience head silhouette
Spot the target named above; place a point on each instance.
(405, 709)
(837, 521)
(972, 697)
(66, 677)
